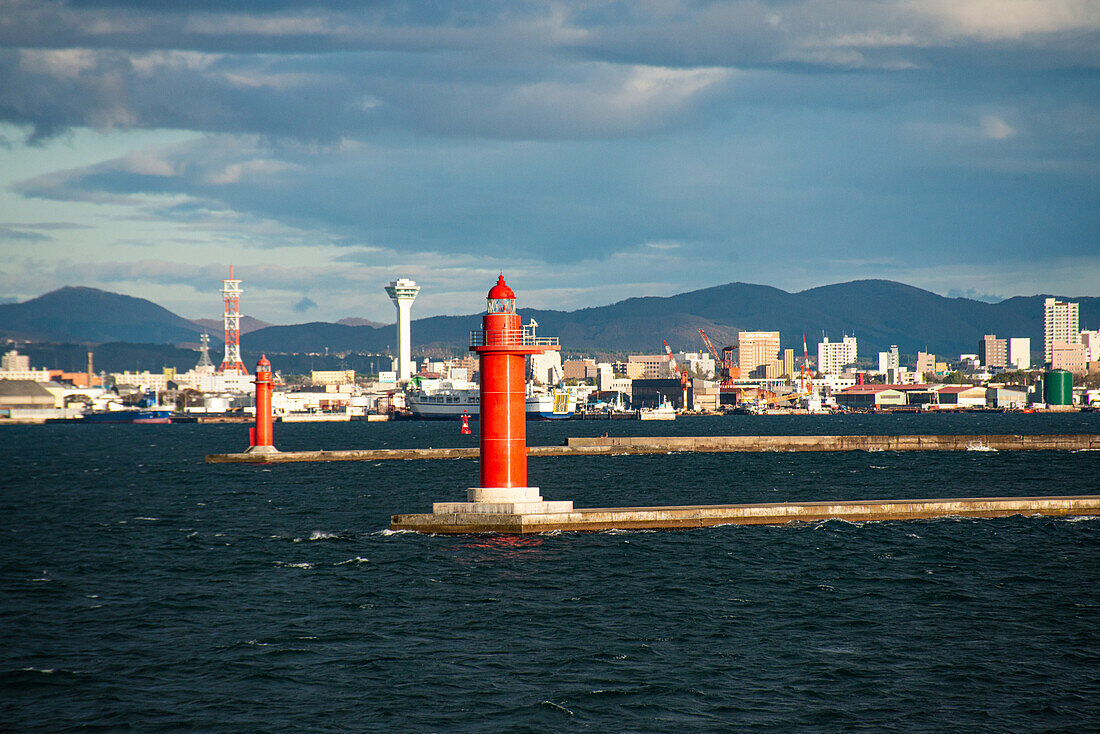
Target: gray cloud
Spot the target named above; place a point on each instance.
(19, 233)
(800, 142)
(512, 71)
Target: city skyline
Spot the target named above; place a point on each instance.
(591, 154)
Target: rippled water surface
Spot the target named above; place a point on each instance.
(145, 590)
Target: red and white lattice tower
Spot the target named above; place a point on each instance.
(231, 293)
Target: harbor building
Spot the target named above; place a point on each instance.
(332, 377)
(869, 397)
(579, 369)
(654, 366)
(1005, 397)
(777, 370)
(961, 396)
(698, 363)
(546, 368)
(890, 360)
(628, 370)
(1019, 353)
(756, 349)
(13, 361)
(1060, 325)
(16, 366)
(993, 352)
(25, 395)
(833, 357)
(925, 363)
(1069, 357)
(1090, 340)
(649, 393)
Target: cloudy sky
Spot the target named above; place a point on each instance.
(591, 150)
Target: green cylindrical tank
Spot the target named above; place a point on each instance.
(1058, 388)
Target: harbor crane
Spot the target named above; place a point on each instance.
(724, 361)
(807, 374)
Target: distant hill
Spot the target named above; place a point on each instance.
(354, 321)
(90, 315)
(878, 312)
(217, 326)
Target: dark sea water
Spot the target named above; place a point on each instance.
(143, 590)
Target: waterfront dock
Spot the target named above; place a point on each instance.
(604, 445)
(699, 516)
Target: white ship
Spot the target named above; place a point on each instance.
(447, 399)
(663, 412)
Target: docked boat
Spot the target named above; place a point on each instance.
(663, 412)
(135, 415)
(146, 411)
(450, 400)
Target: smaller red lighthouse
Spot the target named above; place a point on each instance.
(261, 433)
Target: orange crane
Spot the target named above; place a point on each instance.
(807, 374)
(685, 378)
(723, 362)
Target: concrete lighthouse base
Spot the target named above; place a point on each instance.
(501, 500)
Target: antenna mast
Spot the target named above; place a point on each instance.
(231, 294)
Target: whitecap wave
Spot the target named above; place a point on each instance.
(317, 535)
(387, 531)
(149, 519)
(287, 564)
(557, 706)
(357, 559)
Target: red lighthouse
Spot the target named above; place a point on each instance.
(261, 433)
(502, 344)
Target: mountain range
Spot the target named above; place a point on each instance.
(879, 313)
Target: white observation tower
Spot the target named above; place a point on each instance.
(403, 292)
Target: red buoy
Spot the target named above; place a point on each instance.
(465, 424)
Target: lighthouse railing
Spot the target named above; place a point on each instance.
(510, 337)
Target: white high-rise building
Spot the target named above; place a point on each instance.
(1019, 353)
(833, 357)
(889, 360)
(403, 292)
(1059, 325)
(546, 368)
(13, 361)
(1091, 342)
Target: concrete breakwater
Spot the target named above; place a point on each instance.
(698, 516)
(605, 445)
(647, 445)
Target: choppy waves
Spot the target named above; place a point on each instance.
(235, 599)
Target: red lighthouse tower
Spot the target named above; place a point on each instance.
(502, 344)
(261, 432)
